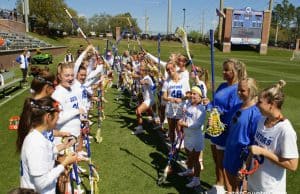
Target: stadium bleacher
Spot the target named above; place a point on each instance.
(20, 40)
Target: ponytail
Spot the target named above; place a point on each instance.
(274, 94)
(24, 124)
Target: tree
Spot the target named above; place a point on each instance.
(195, 36)
(121, 20)
(285, 16)
(297, 21)
(99, 22)
(49, 14)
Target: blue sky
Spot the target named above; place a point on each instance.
(156, 10)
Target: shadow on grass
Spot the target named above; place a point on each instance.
(154, 138)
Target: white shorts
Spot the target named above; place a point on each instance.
(220, 147)
(217, 146)
(148, 102)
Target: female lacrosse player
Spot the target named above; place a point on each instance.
(241, 132)
(42, 86)
(37, 152)
(67, 96)
(226, 99)
(203, 84)
(181, 62)
(174, 90)
(192, 123)
(148, 97)
(275, 141)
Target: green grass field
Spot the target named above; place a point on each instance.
(130, 164)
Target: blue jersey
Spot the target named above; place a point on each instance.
(241, 133)
(227, 101)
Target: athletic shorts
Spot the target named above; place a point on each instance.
(149, 102)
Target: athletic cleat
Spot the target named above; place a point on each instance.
(139, 127)
(194, 183)
(217, 189)
(138, 130)
(188, 172)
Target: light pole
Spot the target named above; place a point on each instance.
(183, 18)
(220, 21)
(169, 21)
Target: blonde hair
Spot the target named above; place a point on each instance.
(238, 67)
(203, 72)
(274, 94)
(252, 85)
(60, 67)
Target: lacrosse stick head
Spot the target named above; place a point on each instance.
(216, 128)
(250, 171)
(182, 35)
(98, 137)
(163, 178)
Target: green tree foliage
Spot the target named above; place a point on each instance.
(297, 22)
(51, 14)
(287, 17)
(195, 35)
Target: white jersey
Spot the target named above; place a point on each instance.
(82, 92)
(37, 164)
(125, 60)
(194, 116)
(136, 66)
(280, 139)
(69, 120)
(175, 90)
(110, 60)
(24, 62)
(203, 88)
(184, 75)
(148, 89)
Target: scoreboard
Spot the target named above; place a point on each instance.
(246, 27)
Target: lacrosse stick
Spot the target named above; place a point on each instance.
(117, 61)
(64, 184)
(99, 139)
(75, 24)
(75, 170)
(181, 34)
(135, 35)
(173, 156)
(245, 170)
(174, 107)
(215, 127)
(92, 179)
(158, 50)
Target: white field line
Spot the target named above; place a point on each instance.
(268, 81)
(271, 61)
